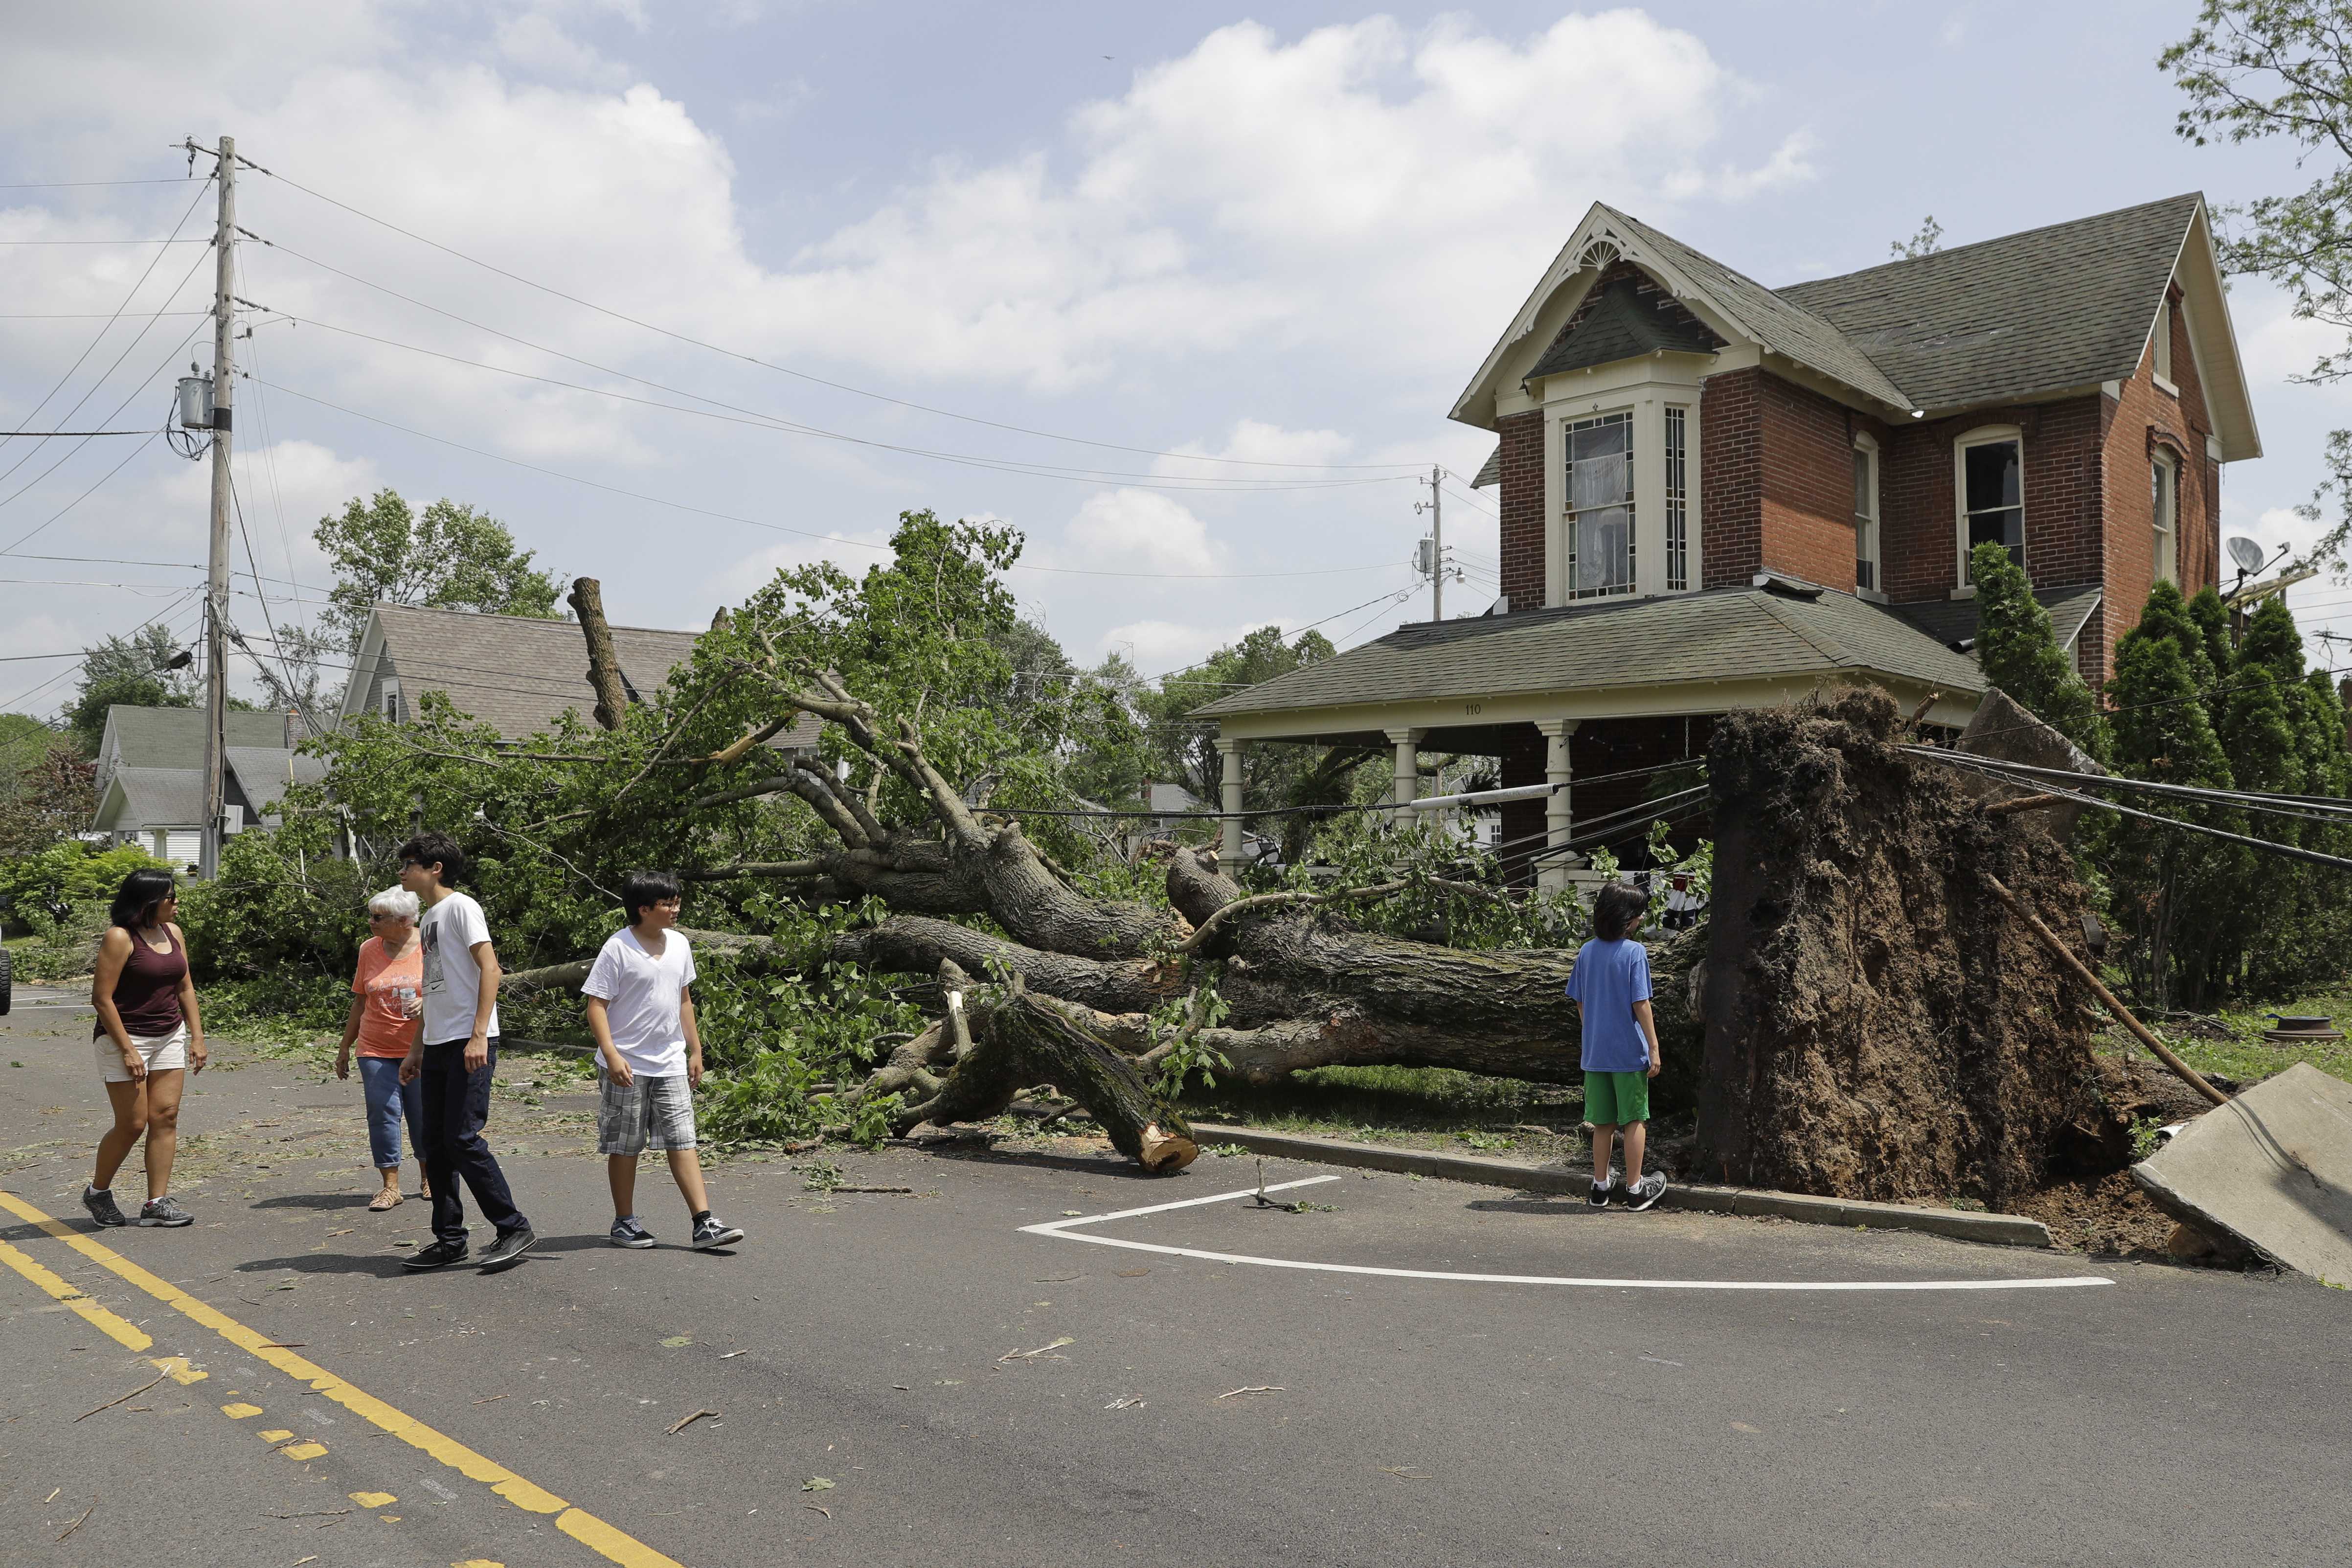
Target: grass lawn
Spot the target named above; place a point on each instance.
(2249, 1058)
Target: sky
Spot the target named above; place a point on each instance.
(687, 293)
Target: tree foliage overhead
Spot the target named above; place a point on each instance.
(2259, 70)
(133, 670)
(451, 557)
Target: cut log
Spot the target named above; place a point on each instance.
(1022, 1040)
(587, 600)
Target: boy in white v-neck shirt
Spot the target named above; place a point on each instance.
(641, 1011)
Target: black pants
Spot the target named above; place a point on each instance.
(456, 1104)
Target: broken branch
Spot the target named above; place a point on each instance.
(2163, 1054)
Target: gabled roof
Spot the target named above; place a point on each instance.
(516, 672)
(1725, 634)
(1769, 320)
(1950, 621)
(151, 797)
(2067, 305)
(175, 737)
(1620, 323)
(2058, 308)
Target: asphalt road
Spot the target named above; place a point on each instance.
(862, 1339)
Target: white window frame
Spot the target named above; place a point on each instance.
(1635, 450)
(2163, 346)
(1982, 436)
(1674, 496)
(1868, 545)
(2164, 507)
(1647, 389)
(391, 700)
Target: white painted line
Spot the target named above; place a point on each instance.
(1066, 1230)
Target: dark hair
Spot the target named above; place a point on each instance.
(436, 849)
(1617, 909)
(137, 898)
(645, 888)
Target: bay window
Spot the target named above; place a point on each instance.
(1600, 519)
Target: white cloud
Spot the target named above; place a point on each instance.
(1140, 531)
(1255, 441)
(1157, 646)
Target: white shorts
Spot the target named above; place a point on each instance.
(163, 1053)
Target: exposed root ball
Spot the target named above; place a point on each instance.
(1878, 1026)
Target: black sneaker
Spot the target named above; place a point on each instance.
(627, 1232)
(1599, 1197)
(101, 1206)
(710, 1231)
(509, 1245)
(437, 1254)
(1645, 1191)
(164, 1212)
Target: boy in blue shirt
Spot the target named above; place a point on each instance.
(1610, 988)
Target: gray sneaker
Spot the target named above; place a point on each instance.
(164, 1212)
(627, 1232)
(710, 1231)
(1645, 1191)
(101, 1206)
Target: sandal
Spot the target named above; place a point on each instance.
(386, 1198)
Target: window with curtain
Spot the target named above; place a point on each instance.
(1599, 521)
(1992, 497)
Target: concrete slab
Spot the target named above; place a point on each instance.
(2273, 1168)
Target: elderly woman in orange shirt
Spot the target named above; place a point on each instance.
(387, 1005)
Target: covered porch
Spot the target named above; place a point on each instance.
(1615, 693)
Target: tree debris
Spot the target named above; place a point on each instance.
(1260, 1388)
(119, 1399)
(683, 1422)
(1041, 1350)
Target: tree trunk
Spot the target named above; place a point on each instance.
(1022, 1040)
(587, 601)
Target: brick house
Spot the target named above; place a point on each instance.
(1714, 494)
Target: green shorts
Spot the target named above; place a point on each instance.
(1614, 1098)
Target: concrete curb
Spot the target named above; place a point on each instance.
(1996, 1229)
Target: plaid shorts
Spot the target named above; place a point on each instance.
(649, 1113)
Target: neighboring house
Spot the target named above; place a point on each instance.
(514, 672)
(1716, 495)
(151, 775)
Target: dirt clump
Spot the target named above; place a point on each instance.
(1879, 1024)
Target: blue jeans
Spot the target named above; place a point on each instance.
(389, 1103)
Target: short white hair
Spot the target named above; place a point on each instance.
(397, 902)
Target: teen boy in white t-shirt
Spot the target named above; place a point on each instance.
(456, 1055)
(642, 1013)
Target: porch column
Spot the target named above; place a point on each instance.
(1408, 767)
(1552, 877)
(1229, 841)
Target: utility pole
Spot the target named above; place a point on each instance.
(1437, 545)
(217, 559)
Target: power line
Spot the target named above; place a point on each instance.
(146, 273)
(1132, 479)
(192, 239)
(766, 365)
(77, 185)
(778, 527)
(45, 435)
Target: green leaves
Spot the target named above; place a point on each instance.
(2019, 651)
(452, 558)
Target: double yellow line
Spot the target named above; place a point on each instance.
(613, 1545)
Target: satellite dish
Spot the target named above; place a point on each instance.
(2248, 555)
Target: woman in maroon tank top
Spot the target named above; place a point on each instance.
(148, 1038)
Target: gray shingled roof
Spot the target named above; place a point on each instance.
(518, 673)
(1490, 472)
(157, 797)
(264, 774)
(1726, 634)
(2068, 305)
(1950, 621)
(175, 737)
(1621, 325)
(1780, 323)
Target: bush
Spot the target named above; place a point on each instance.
(75, 874)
